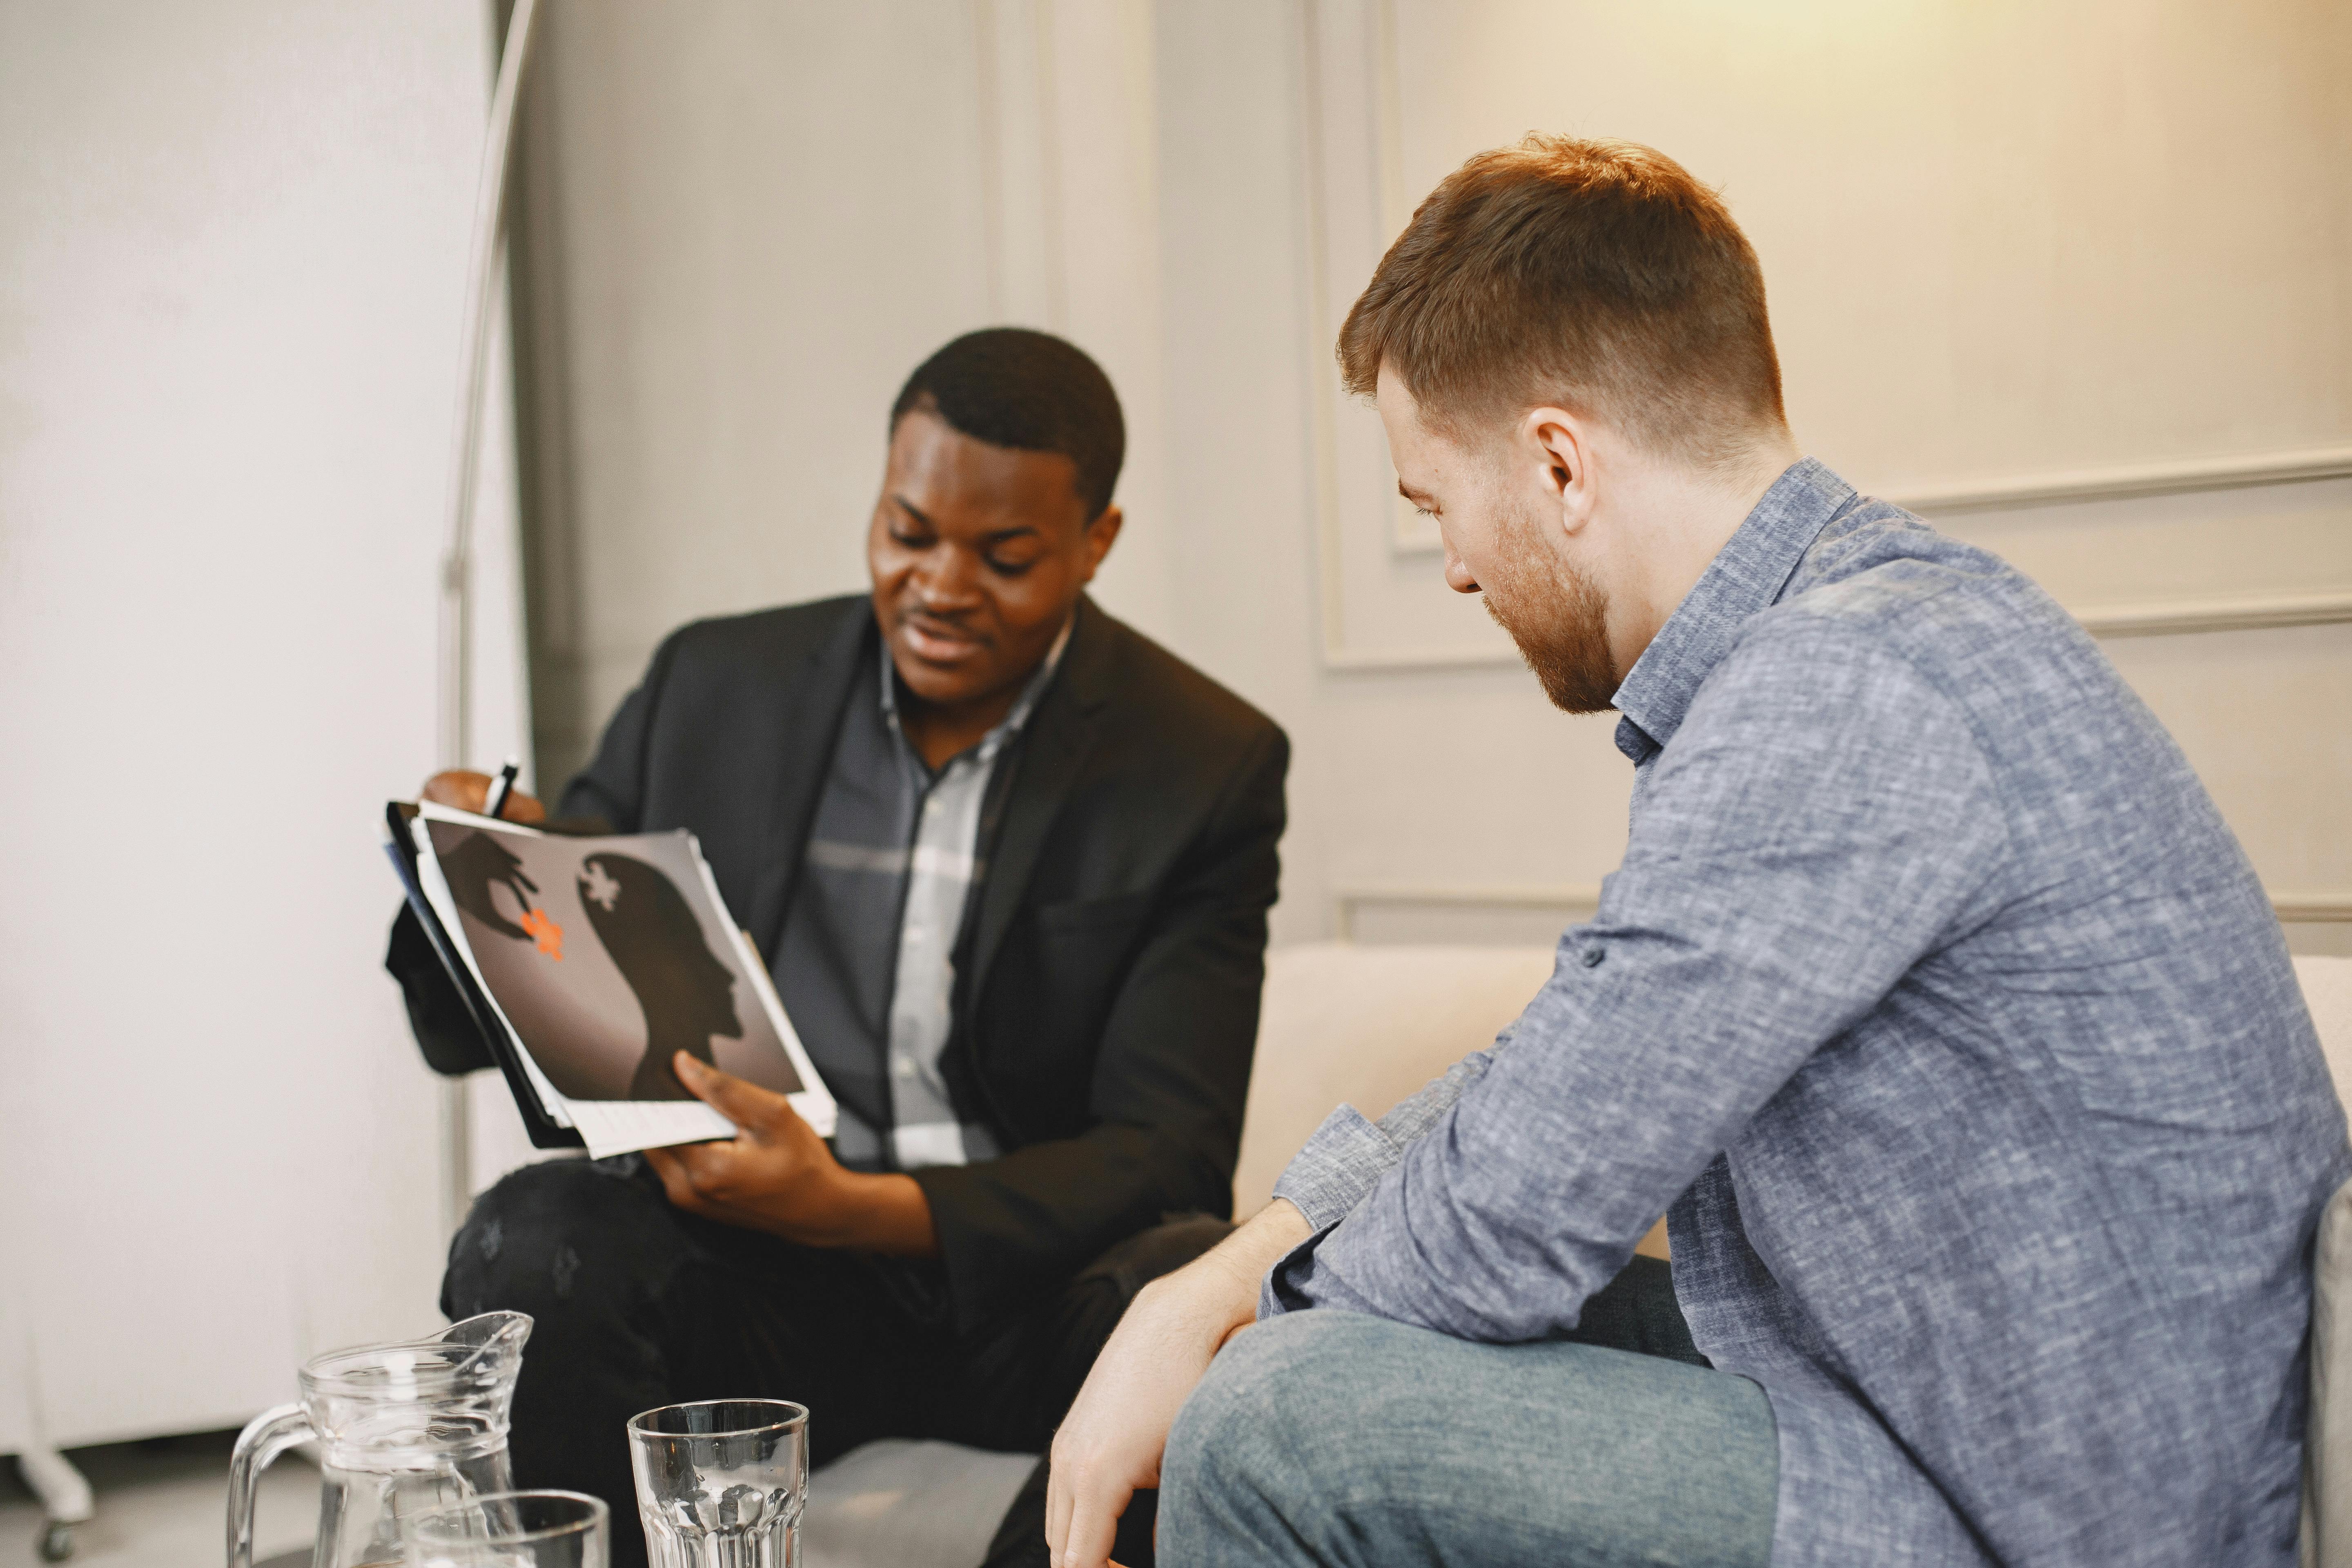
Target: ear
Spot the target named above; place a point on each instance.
(1558, 448)
(1101, 535)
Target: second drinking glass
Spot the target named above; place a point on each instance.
(721, 1483)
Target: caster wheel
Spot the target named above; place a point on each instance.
(57, 1541)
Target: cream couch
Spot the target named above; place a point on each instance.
(1368, 1026)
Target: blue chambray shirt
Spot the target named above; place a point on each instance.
(1936, 1000)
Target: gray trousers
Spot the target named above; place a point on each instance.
(1331, 1438)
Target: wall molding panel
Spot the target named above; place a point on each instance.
(2263, 612)
(2127, 481)
(1350, 138)
(1020, 162)
(1349, 898)
(2165, 619)
(1351, 94)
(1415, 535)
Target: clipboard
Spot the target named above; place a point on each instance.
(543, 1128)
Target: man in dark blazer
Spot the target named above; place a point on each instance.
(1010, 863)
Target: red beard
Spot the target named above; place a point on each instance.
(1556, 615)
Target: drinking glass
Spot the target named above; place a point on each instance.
(512, 1530)
(722, 1482)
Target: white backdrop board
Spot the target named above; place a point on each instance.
(232, 260)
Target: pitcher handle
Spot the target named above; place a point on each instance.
(265, 1437)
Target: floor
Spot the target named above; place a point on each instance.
(164, 1504)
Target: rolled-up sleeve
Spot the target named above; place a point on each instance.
(1335, 1168)
(1822, 817)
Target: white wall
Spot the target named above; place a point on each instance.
(2001, 245)
(749, 222)
(2111, 242)
(232, 248)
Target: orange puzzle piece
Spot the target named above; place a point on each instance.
(545, 932)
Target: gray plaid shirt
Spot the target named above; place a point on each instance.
(1937, 1002)
(866, 968)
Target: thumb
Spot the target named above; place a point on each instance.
(747, 1105)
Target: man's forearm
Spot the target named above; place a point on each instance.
(1347, 1155)
(1110, 1443)
(1226, 1277)
(886, 1213)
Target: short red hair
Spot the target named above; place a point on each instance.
(1598, 276)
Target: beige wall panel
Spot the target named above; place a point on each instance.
(766, 215)
(751, 220)
(1467, 774)
(2002, 245)
(1107, 155)
(2263, 716)
(1997, 237)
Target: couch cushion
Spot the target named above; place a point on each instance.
(1368, 1025)
(2328, 992)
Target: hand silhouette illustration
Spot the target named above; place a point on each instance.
(476, 865)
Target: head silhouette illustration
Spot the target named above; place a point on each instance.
(688, 994)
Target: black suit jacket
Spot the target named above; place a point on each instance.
(1106, 995)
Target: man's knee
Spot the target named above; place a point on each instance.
(1248, 1436)
(1321, 1429)
(551, 1233)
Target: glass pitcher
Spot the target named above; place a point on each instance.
(402, 1428)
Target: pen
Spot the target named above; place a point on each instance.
(502, 787)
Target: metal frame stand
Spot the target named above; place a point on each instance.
(66, 1499)
(454, 686)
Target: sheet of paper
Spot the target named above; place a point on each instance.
(432, 811)
(607, 1123)
(619, 1126)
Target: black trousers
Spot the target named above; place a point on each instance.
(640, 1304)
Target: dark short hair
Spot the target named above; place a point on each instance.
(1598, 276)
(1031, 391)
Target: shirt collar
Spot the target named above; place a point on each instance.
(1007, 727)
(1748, 574)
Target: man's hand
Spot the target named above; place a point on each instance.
(1109, 1444)
(479, 864)
(777, 1175)
(465, 791)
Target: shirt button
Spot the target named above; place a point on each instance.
(903, 1068)
(1593, 955)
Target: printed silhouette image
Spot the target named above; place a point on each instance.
(688, 994)
(478, 864)
(607, 955)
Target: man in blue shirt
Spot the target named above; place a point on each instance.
(1933, 1005)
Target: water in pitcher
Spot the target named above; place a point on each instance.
(401, 1429)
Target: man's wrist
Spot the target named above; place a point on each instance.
(1225, 1282)
(866, 1213)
